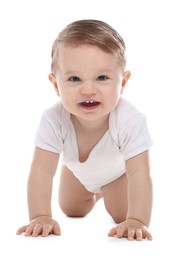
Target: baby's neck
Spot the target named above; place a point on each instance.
(90, 125)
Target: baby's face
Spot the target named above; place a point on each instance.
(89, 81)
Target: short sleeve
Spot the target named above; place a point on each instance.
(48, 135)
(135, 138)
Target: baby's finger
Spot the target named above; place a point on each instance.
(37, 230)
(121, 231)
(139, 235)
(28, 231)
(131, 233)
(21, 230)
(146, 234)
(46, 230)
(112, 232)
(56, 230)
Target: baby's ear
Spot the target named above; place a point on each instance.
(126, 77)
(51, 77)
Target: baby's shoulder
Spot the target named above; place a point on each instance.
(54, 109)
(126, 111)
(56, 112)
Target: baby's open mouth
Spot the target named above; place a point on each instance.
(89, 103)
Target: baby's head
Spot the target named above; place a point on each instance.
(94, 32)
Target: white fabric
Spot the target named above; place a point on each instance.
(126, 137)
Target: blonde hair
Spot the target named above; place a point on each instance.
(92, 32)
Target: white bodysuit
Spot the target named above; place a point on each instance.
(126, 137)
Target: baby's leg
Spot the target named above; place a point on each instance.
(74, 199)
(115, 198)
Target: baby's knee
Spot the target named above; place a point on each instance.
(118, 217)
(72, 211)
(75, 210)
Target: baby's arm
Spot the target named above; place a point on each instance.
(139, 200)
(40, 181)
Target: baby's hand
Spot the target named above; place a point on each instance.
(42, 225)
(131, 229)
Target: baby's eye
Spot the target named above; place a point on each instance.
(74, 79)
(102, 78)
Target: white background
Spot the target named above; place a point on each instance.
(152, 31)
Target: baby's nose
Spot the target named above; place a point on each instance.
(88, 88)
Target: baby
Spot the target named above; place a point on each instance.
(103, 138)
